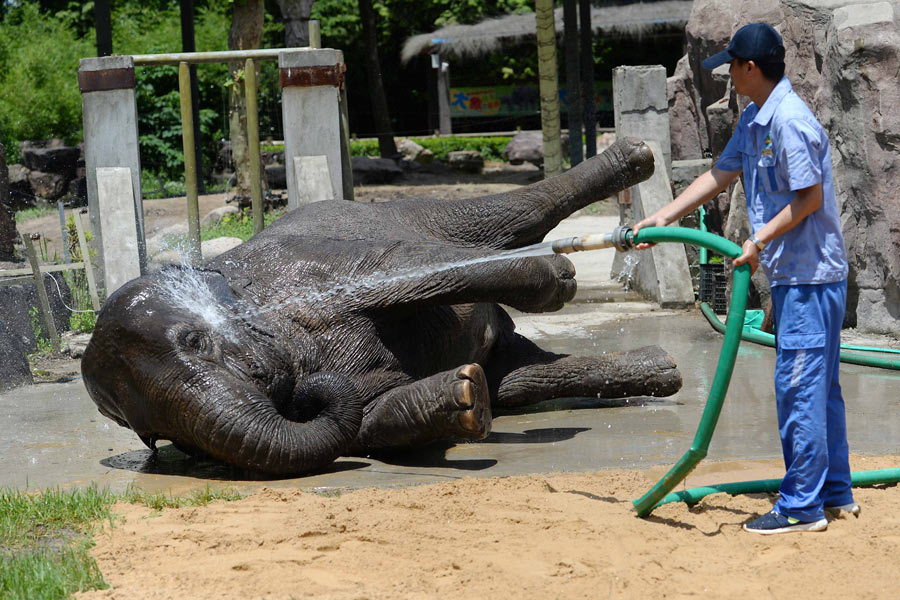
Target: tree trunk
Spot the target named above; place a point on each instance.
(386, 145)
(7, 221)
(296, 22)
(245, 34)
(549, 88)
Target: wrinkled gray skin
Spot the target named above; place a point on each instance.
(400, 361)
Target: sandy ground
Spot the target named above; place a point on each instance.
(543, 536)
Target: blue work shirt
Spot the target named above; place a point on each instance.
(782, 148)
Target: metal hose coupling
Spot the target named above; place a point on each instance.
(620, 238)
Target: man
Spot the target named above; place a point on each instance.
(785, 158)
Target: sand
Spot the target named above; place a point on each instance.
(540, 536)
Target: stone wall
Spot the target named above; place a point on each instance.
(842, 59)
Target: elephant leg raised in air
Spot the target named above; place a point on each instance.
(520, 373)
(454, 403)
(525, 215)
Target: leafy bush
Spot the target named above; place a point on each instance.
(490, 147)
(39, 96)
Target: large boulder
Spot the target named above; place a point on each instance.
(14, 368)
(413, 152)
(56, 159)
(842, 58)
(467, 161)
(18, 308)
(8, 232)
(20, 193)
(528, 146)
(367, 171)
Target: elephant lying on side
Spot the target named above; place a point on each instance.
(328, 334)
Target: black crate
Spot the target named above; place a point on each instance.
(712, 287)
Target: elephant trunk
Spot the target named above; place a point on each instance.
(239, 425)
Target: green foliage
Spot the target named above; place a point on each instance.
(490, 147)
(44, 542)
(237, 225)
(39, 96)
(33, 213)
(44, 346)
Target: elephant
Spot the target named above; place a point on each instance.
(348, 327)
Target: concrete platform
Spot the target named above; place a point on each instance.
(54, 436)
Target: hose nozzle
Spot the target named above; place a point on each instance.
(620, 238)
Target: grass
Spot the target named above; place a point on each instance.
(34, 212)
(45, 538)
(238, 225)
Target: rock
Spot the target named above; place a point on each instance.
(48, 186)
(17, 302)
(367, 171)
(58, 159)
(277, 176)
(73, 344)
(8, 233)
(14, 367)
(414, 152)
(214, 216)
(842, 61)
(172, 237)
(208, 249)
(20, 193)
(77, 192)
(216, 246)
(528, 146)
(468, 161)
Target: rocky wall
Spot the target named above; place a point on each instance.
(843, 59)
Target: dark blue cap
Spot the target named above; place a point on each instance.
(758, 42)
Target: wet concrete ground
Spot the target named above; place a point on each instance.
(52, 435)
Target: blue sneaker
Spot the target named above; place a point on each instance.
(773, 522)
(835, 511)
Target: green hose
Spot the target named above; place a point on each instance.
(758, 486)
(740, 286)
(767, 339)
(734, 331)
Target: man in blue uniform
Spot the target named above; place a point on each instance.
(785, 158)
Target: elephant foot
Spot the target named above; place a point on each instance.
(471, 394)
(451, 404)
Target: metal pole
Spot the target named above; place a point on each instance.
(315, 33)
(253, 145)
(103, 27)
(86, 259)
(190, 165)
(188, 44)
(41, 290)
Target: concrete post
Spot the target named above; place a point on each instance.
(311, 83)
(109, 112)
(641, 107)
(116, 212)
(662, 273)
(641, 110)
(443, 85)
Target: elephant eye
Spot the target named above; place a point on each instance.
(198, 341)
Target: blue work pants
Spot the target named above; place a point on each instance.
(811, 419)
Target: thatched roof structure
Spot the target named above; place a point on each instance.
(633, 20)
